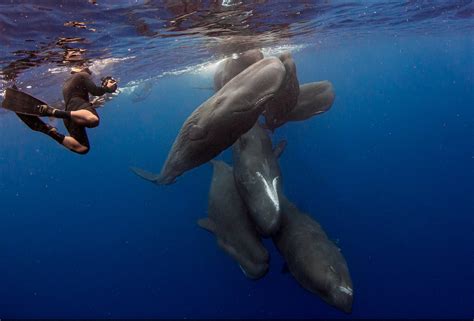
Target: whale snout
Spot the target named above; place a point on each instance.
(341, 297)
(254, 271)
(255, 264)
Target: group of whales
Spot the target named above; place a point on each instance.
(246, 201)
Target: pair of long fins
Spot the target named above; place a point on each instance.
(21, 102)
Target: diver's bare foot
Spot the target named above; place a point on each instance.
(72, 144)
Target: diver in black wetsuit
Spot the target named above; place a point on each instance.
(79, 112)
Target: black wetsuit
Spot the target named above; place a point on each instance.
(76, 92)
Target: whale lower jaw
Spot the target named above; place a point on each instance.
(262, 270)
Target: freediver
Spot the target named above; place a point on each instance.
(79, 112)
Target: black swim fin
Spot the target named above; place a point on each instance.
(22, 103)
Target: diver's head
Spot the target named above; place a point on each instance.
(109, 83)
(106, 80)
(76, 69)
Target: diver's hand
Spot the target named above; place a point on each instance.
(111, 85)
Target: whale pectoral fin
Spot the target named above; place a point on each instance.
(279, 148)
(146, 175)
(220, 165)
(196, 132)
(203, 88)
(207, 224)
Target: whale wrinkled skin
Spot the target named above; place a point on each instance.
(277, 110)
(221, 120)
(228, 220)
(315, 98)
(258, 178)
(232, 66)
(314, 261)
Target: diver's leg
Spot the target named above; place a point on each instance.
(72, 144)
(85, 117)
(78, 140)
(36, 124)
(45, 110)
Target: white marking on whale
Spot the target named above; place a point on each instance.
(243, 270)
(345, 290)
(271, 190)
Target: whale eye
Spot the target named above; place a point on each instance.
(197, 132)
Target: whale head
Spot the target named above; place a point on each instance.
(329, 278)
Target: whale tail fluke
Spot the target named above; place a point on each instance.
(152, 177)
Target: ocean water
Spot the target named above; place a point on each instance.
(387, 171)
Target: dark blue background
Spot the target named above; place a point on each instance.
(388, 172)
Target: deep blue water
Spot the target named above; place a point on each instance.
(387, 171)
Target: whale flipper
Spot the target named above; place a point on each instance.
(152, 177)
(279, 148)
(207, 224)
(203, 88)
